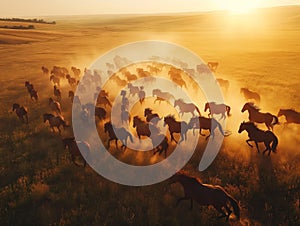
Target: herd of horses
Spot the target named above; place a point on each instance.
(194, 190)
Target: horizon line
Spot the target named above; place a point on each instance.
(148, 13)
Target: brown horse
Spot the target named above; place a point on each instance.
(250, 95)
(163, 146)
(57, 93)
(256, 116)
(73, 147)
(217, 109)
(176, 127)
(205, 123)
(258, 135)
(206, 195)
(291, 116)
(213, 66)
(103, 100)
(55, 121)
(55, 106)
(21, 112)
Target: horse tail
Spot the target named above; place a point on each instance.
(235, 206)
(197, 109)
(275, 121)
(130, 137)
(274, 144)
(220, 127)
(228, 108)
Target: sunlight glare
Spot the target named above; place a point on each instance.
(238, 6)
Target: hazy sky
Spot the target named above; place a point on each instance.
(11, 8)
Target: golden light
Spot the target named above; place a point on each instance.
(238, 6)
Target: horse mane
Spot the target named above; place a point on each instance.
(250, 123)
(171, 116)
(254, 106)
(186, 174)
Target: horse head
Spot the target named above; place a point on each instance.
(245, 107)
(242, 127)
(206, 107)
(15, 106)
(280, 113)
(107, 126)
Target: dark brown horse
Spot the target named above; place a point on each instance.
(21, 112)
(73, 147)
(205, 123)
(151, 117)
(176, 127)
(256, 116)
(291, 116)
(206, 195)
(258, 136)
(163, 146)
(144, 128)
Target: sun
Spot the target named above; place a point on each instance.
(238, 6)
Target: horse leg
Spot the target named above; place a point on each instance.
(220, 210)
(108, 143)
(247, 141)
(172, 138)
(228, 212)
(201, 133)
(256, 144)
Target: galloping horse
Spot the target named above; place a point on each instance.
(176, 127)
(256, 116)
(117, 134)
(150, 117)
(258, 135)
(143, 128)
(55, 106)
(186, 108)
(21, 112)
(55, 121)
(206, 195)
(250, 95)
(291, 116)
(217, 109)
(73, 147)
(205, 123)
(160, 95)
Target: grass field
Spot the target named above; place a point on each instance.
(40, 186)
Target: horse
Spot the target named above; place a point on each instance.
(250, 95)
(223, 83)
(130, 77)
(72, 81)
(57, 93)
(159, 99)
(203, 69)
(100, 113)
(29, 86)
(125, 115)
(55, 80)
(206, 195)
(205, 123)
(45, 70)
(103, 100)
(163, 146)
(217, 109)
(291, 116)
(21, 112)
(76, 71)
(150, 117)
(162, 95)
(258, 136)
(176, 127)
(142, 94)
(143, 128)
(186, 107)
(33, 93)
(133, 90)
(55, 121)
(73, 147)
(55, 106)
(117, 134)
(213, 66)
(256, 116)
